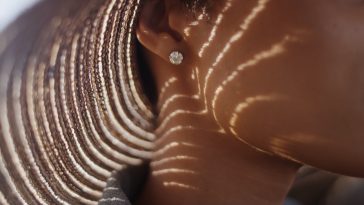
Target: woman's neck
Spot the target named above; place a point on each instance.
(194, 165)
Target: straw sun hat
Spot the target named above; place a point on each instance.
(73, 109)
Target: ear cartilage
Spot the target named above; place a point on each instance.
(176, 58)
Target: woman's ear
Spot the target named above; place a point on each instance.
(160, 28)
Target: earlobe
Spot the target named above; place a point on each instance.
(154, 31)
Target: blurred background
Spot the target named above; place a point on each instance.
(10, 9)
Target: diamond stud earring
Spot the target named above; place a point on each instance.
(176, 58)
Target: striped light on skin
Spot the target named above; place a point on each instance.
(165, 131)
(165, 87)
(174, 184)
(254, 14)
(202, 50)
(166, 160)
(162, 168)
(274, 51)
(245, 25)
(276, 143)
(172, 171)
(165, 149)
(187, 30)
(212, 36)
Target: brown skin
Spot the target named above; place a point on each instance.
(303, 98)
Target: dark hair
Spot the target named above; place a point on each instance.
(197, 6)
